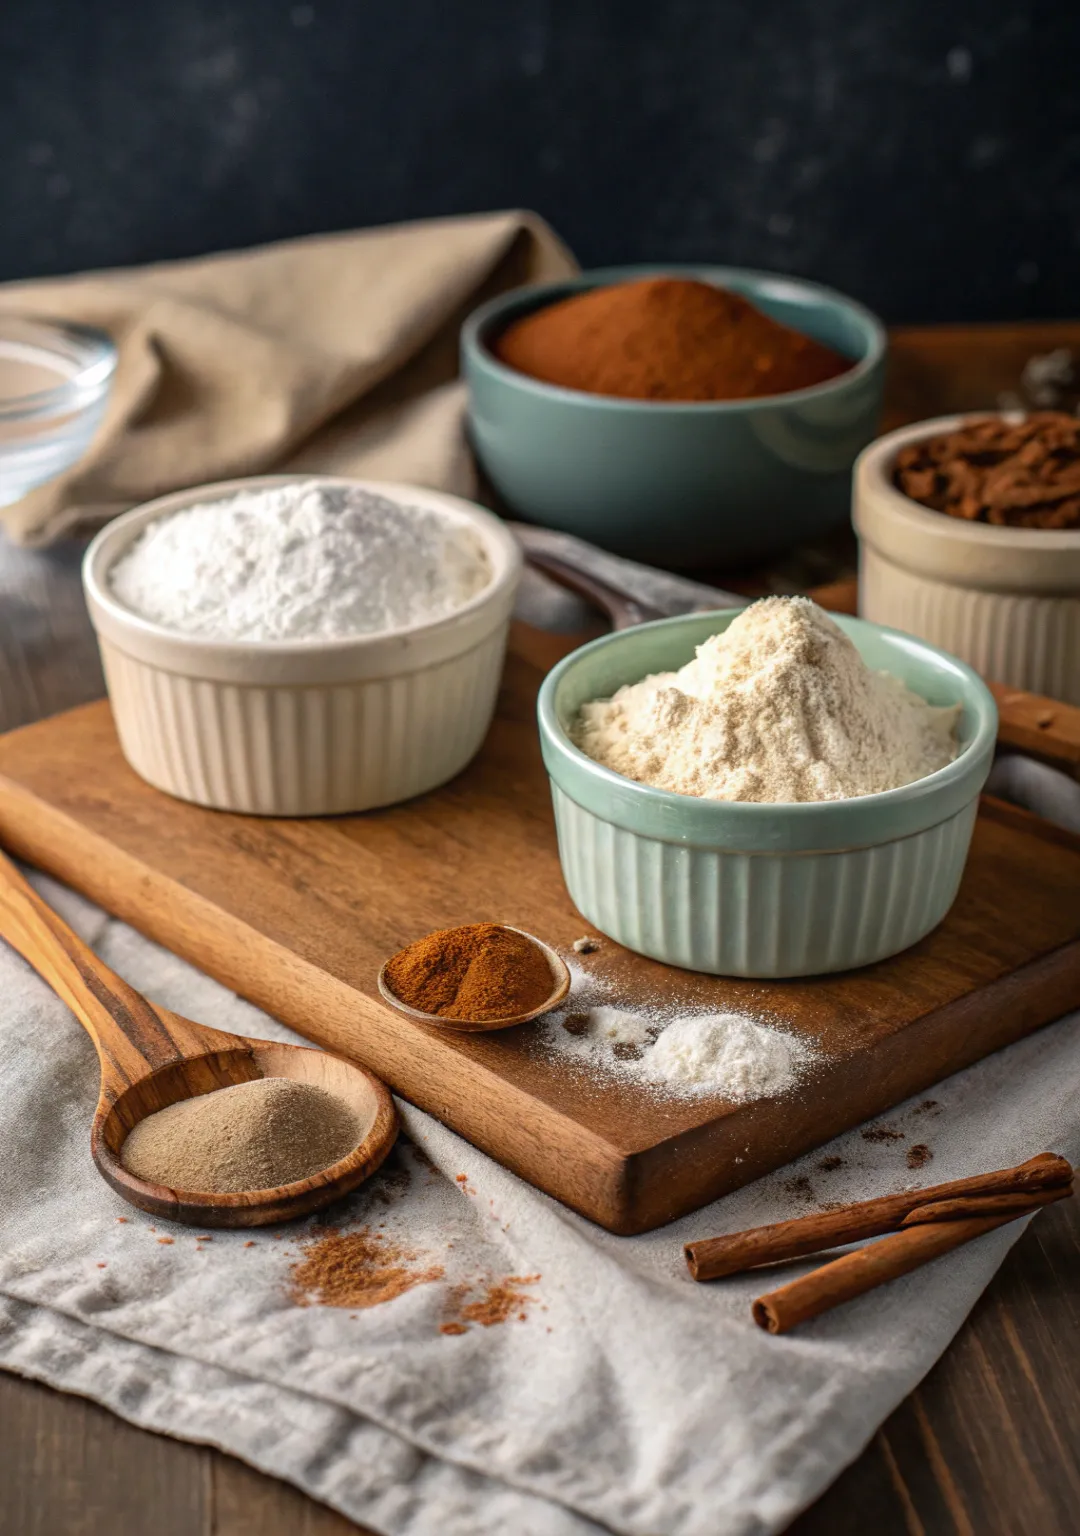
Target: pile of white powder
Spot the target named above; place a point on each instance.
(691, 1055)
(300, 561)
(780, 707)
(723, 1053)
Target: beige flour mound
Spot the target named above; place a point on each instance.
(778, 708)
(255, 1135)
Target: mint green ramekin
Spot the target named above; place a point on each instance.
(740, 889)
(683, 483)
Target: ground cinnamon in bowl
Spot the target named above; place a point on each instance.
(481, 971)
(665, 339)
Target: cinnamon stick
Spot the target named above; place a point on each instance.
(866, 1268)
(711, 1257)
(984, 1205)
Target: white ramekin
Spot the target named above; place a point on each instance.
(307, 727)
(1005, 600)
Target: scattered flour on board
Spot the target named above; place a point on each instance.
(724, 1052)
(684, 1055)
(780, 707)
(301, 561)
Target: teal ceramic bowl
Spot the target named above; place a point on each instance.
(761, 890)
(716, 483)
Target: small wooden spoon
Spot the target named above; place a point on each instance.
(151, 1058)
(560, 986)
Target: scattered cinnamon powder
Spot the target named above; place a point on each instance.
(499, 1301)
(390, 1184)
(1022, 474)
(665, 338)
(421, 1158)
(357, 1269)
(831, 1164)
(881, 1133)
(801, 1187)
(925, 1107)
(479, 971)
(919, 1155)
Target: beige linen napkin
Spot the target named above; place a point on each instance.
(334, 353)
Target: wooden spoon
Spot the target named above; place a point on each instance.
(560, 986)
(151, 1058)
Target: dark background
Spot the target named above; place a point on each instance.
(922, 156)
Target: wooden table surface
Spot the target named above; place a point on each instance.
(987, 1445)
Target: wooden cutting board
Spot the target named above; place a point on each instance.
(299, 915)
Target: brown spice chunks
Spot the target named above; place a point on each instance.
(1023, 474)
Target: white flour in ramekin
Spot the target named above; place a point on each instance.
(303, 561)
(778, 708)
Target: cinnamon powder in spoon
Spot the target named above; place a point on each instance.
(478, 971)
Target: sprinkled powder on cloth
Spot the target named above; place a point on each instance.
(358, 1269)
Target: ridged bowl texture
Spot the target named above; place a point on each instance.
(1005, 600)
(741, 889)
(307, 727)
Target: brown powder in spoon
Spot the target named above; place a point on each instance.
(479, 971)
(255, 1135)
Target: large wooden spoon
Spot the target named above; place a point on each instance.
(151, 1057)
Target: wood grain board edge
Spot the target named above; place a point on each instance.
(902, 1065)
(513, 1127)
(1026, 821)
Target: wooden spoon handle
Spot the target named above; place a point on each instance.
(1040, 727)
(132, 1037)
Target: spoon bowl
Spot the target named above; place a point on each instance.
(246, 1060)
(560, 986)
(151, 1058)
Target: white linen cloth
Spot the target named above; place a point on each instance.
(628, 1400)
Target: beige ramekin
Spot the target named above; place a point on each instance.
(1005, 600)
(308, 727)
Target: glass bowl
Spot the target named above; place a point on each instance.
(54, 386)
